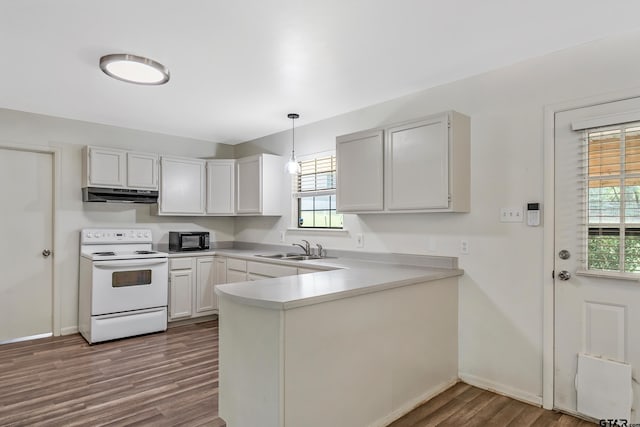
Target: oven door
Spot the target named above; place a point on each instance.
(125, 285)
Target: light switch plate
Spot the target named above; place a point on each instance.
(511, 214)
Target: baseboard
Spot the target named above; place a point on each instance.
(192, 320)
(503, 389)
(411, 405)
(69, 330)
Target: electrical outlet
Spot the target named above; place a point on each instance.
(511, 214)
(282, 234)
(464, 247)
(359, 240)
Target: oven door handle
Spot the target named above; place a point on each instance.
(129, 263)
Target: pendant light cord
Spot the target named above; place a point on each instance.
(293, 137)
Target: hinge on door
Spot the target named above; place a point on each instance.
(553, 274)
(449, 123)
(449, 198)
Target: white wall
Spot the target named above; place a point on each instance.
(501, 292)
(26, 129)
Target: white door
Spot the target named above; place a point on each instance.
(597, 309)
(26, 197)
(221, 187)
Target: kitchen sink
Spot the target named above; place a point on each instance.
(291, 257)
(278, 256)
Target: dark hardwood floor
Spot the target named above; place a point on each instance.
(464, 405)
(171, 379)
(165, 379)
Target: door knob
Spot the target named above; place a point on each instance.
(46, 253)
(564, 275)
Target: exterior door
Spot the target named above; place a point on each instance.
(597, 258)
(26, 283)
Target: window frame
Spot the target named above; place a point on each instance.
(296, 199)
(601, 228)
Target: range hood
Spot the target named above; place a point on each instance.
(118, 195)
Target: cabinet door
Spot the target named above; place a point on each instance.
(236, 276)
(359, 172)
(107, 167)
(182, 183)
(142, 171)
(220, 271)
(180, 284)
(249, 185)
(221, 187)
(417, 165)
(205, 297)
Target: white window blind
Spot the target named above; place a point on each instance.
(609, 178)
(315, 192)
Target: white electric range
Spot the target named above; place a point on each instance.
(123, 284)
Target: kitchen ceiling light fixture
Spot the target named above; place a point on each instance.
(134, 69)
(292, 166)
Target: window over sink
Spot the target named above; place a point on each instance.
(314, 193)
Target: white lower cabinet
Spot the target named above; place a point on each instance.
(180, 284)
(192, 282)
(239, 270)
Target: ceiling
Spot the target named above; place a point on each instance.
(238, 67)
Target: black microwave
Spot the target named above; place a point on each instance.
(188, 240)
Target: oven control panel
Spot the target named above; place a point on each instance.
(114, 235)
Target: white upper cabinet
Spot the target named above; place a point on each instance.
(221, 187)
(260, 185)
(142, 170)
(112, 168)
(182, 186)
(105, 167)
(417, 165)
(359, 172)
(421, 166)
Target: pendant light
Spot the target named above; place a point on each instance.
(292, 166)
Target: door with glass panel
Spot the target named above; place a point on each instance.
(597, 260)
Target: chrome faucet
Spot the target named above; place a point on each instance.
(306, 247)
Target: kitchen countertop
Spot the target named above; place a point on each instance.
(347, 277)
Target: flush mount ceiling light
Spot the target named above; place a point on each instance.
(292, 166)
(134, 69)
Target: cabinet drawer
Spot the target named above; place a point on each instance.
(180, 263)
(270, 270)
(236, 264)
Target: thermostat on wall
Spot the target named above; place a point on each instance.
(533, 214)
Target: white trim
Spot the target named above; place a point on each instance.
(413, 404)
(605, 120)
(317, 230)
(69, 330)
(548, 362)
(28, 338)
(56, 158)
(503, 389)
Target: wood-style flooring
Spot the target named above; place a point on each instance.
(164, 379)
(464, 405)
(171, 379)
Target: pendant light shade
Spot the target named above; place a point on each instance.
(293, 167)
(134, 69)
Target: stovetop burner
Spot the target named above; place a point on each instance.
(145, 252)
(103, 253)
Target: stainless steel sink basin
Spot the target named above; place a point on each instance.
(302, 257)
(291, 257)
(277, 256)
